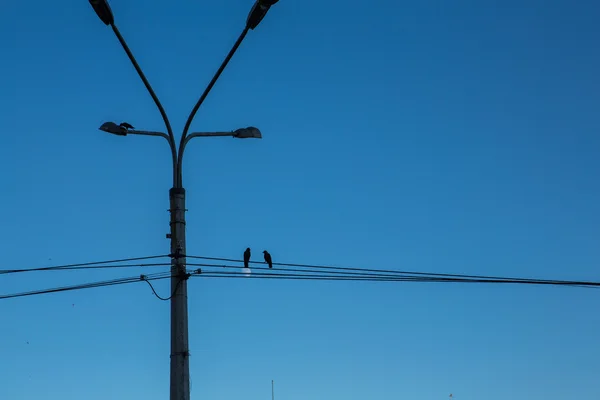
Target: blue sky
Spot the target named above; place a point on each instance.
(457, 137)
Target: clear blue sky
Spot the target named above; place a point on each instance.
(458, 137)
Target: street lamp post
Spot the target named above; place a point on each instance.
(179, 367)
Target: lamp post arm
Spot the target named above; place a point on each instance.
(170, 137)
(150, 133)
(183, 140)
(206, 134)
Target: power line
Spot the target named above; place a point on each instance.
(112, 282)
(300, 272)
(387, 272)
(91, 265)
(157, 295)
(16, 271)
(306, 268)
(384, 271)
(292, 270)
(366, 277)
(310, 276)
(317, 274)
(309, 273)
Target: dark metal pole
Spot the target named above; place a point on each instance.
(179, 363)
(180, 355)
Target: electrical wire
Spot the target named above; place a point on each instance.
(362, 276)
(305, 268)
(292, 270)
(112, 282)
(16, 271)
(367, 277)
(347, 271)
(314, 272)
(91, 265)
(385, 271)
(164, 298)
(227, 274)
(296, 272)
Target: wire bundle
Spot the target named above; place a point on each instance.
(93, 265)
(285, 271)
(333, 273)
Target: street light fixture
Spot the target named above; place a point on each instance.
(242, 133)
(103, 10)
(113, 128)
(248, 133)
(122, 130)
(258, 12)
(179, 367)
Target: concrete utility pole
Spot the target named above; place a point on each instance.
(180, 367)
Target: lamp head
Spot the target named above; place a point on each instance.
(247, 133)
(113, 128)
(103, 11)
(258, 12)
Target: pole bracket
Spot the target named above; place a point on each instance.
(184, 276)
(185, 353)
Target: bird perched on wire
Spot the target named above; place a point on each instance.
(246, 257)
(126, 125)
(268, 259)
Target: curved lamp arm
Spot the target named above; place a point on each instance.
(150, 133)
(242, 133)
(183, 140)
(170, 138)
(205, 134)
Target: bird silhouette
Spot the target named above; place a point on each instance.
(246, 257)
(268, 259)
(126, 125)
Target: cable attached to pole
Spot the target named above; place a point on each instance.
(183, 278)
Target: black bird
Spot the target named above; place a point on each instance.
(246, 257)
(126, 125)
(268, 259)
